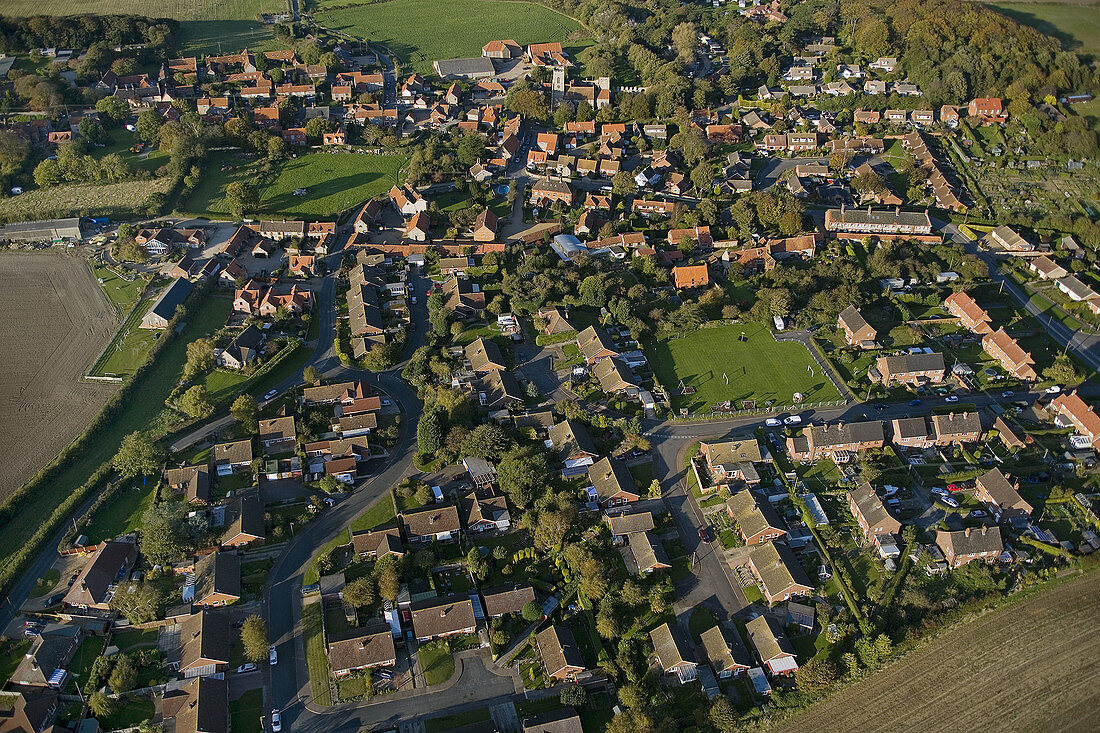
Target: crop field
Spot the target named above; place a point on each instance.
(334, 182)
(1075, 24)
(57, 319)
(177, 9)
(1033, 665)
(422, 31)
(759, 368)
(116, 200)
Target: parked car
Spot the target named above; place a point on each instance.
(32, 632)
(1054, 389)
(914, 403)
(951, 398)
(949, 501)
(977, 513)
(938, 491)
(1006, 394)
(704, 535)
(249, 667)
(271, 394)
(273, 656)
(276, 721)
(772, 422)
(792, 419)
(52, 600)
(954, 487)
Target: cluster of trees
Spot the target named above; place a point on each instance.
(82, 31)
(74, 166)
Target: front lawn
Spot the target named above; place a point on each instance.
(129, 712)
(380, 514)
(457, 720)
(316, 659)
(436, 662)
(759, 368)
(245, 712)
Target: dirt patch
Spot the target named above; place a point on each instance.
(1034, 665)
(56, 320)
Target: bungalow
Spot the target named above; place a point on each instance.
(966, 545)
(437, 617)
(327, 394)
(560, 654)
(555, 322)
(353, 426)
(191, 481)
(93, 587)
(244, 522)
(200, 704)
(1077, 290)
(691, 276)
(1009, 434)
(277, 434)
(888, 221)
(499, 389)
(772, 646)
(595, 345)
(484, 356)
(857, 331)
(217, 579)
(1072, 411)
(911, 369)
(440, 523)
(611, 483)
(725, 653)
(485, 513)
(780, 574)
(377, 542)
(462, 297)
(507, 599)
(971, 315)
(956, 428)
(205, 639)
(44, 665)
(647, 552)
(614, 376)
(756, 522)
(232, 456)
(361, 648)
(573, 445)
(565, 720)
(674, 652)
(1010, 239)
(1010, 354)
(871, 514)
(243, 350)
(624, 524)
(1046, 268)
(731, 460)
(1002, 498)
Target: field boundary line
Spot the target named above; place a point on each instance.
(115, 341)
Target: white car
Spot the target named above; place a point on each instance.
(950, 501)
(414, 300)
(1053, 390)
(792, 419)
(772, 422)
(276, 721)
(273, 656)
(938, 491)
(249, 667)
(271, 394)
(951, 398)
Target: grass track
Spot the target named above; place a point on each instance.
(760, 368)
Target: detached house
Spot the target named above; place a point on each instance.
(595, 345)
(361, 648)
(230, 457)
(772, 646)
(560, 654)
(966, 545)
(440, 523)
(674, 652)
(614, 376)
(611, 483)
(857, 331)
(508, 599)
(574, 447)
(191, 481)
(1010, 354)
(780, 574)
(727, 656)
(92, 587)
(277, 435)
(871, 514)
(647, 552)
(484, 356)
(756, 522)
(486, 513)
(205, 637)
(244, 522)
(731, 460)
(446, 616)
(691, 276)
(217, 579)
(1002, 498)
(1073, 411)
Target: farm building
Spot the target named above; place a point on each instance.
(51, 230)
(166, 304)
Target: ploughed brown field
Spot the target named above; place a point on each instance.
(1031, 666)
(55, 320)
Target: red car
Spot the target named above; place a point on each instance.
(704, 535)
(954, 487)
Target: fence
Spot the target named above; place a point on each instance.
(733, 414)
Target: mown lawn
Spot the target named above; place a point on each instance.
(316, 659)
(245, 712)
(760, 368)
(382, 513)
(335, 182)
(129, 347)
(411, 28)
(436, 662)
(123, 293)
(129, 711)
(122, 514)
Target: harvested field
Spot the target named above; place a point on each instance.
(57, 320)
(1033, 665)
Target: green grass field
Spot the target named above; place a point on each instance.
(128, 348)
(759, 369)
(422, 31)
(316, 659)
(246, 711)
(145, 410)
(336, 181)
(123, 293)
(1076, 25)
(382, 513)
(178, 9)
(436, 662)
(123, 200)
(122, 514)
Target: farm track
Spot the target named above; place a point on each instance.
(1034, 665)
(56, 319)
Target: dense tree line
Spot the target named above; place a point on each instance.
(81, 31)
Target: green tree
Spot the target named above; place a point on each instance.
(162, 539)
(310, 375)
(317, 127)
(254, 639)
(244, 410)
(1063, 371)
(14, 151)
(429, 432)
(816, 675)
(574, 695)
(531, 611)
(200, 358)
(477, 565)
(148, 125)
(124, 676)
(195, 402)
(139, 603)
(48, 173)
(138, 454)
(487, 441)
(112, 108)
(521, 472)
(389, 583)
(241, 198)
(101, 705)
(360, 592)
(723, 715)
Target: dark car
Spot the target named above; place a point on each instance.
(53, 600)
(704, 535)
(914, 403)
(880, 406)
